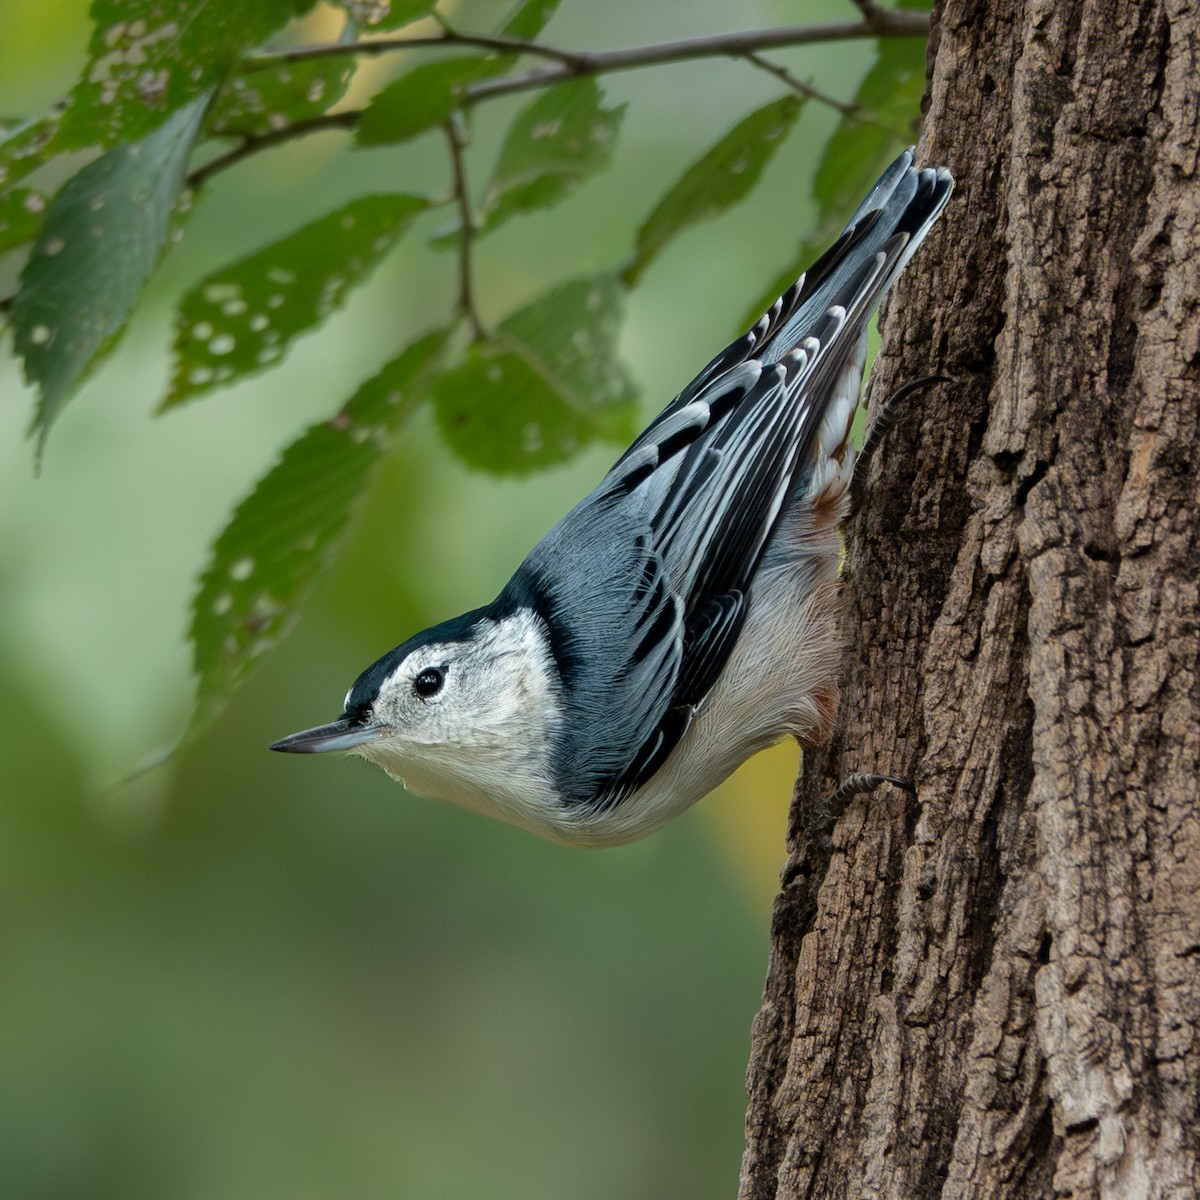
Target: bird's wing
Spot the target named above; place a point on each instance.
(667, 545)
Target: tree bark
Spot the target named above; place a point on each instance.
(993, 989)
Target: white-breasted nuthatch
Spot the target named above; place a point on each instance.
(682, 616)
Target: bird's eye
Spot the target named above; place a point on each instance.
(429, 682)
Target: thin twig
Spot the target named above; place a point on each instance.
(852, 111)
(878, 22)
(276, 137)
(886, 23)
(883, 22)
(381, 45)
(456, 140)
(798, 85)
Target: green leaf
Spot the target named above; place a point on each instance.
(285, 534)
(857, 152)
(529, 19)
(148, 59)
(20, 216)
(571, 334)
(424, 98)
(378, 15)
(254, 103)
(719, 179)
(555, 143)
(23, 146)
(101, 238)
(546, 385)
(240, 320)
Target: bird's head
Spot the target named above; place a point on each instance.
(454, 710)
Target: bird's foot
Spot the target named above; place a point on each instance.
(889, 412)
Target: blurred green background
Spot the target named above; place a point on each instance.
(250, 976)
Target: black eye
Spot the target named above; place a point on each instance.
(429, 682)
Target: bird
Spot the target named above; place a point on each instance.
(686, 613)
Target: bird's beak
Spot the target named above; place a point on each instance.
(339, 735)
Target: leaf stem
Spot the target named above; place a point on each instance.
(456, 140)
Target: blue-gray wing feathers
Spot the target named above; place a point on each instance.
(644, 586)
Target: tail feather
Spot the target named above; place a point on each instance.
(893, 221)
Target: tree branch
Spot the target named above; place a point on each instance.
(456, 140)
(381, 45)
(876, 23)
(276, 137)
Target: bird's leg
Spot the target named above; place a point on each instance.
(860, 784)
(826, 810)
(812, 817)
(885, 418)
(822, 812)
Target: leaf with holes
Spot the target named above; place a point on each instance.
(565, 135)
(254, 103)
(374, 16)
(101, 237)
(546, 385)
(529, 19)
(722, 177)
(424, 98)
(285, 534)
(148, 59)
(24, 146)
(571, 334)
(20, 217)
(240, 320)
(858, 150)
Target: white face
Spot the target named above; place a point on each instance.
(468, 715)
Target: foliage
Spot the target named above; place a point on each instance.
(242, 318)
(268, 558)
(93, 193)
(100, 240)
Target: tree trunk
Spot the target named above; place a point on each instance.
(993, 989)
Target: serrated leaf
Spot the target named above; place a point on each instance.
(147, 59)
(101, 238)
(572, 333)
(719, 179)
(378, 15)
(241, 319)
(284, 535)
(546, 385)
(555, 143)
(23, 146)
(253, 103)
(424, 98)
(529, 19)
(20, 216)
(500, 414)
(857, 151)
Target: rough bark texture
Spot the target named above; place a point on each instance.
(994, 990)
